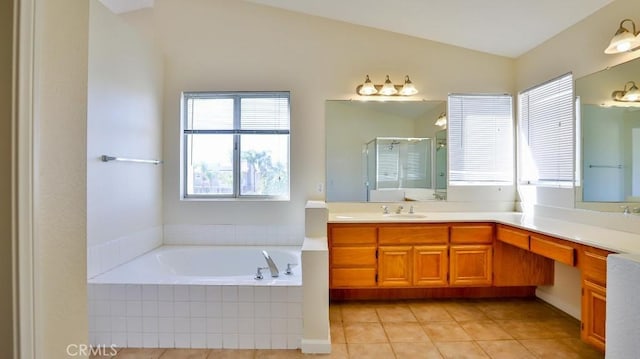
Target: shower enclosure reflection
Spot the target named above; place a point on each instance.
(398, 169)
(441, 165)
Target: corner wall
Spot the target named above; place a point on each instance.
(234, 45)
(579, 49)
(124, 119)
(60, 177)
(7, 274)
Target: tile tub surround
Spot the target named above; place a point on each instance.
(195, 316)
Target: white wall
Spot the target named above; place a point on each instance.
(60, 177)
(579, 49)
(124, 119)
(232, 45)
(7, 142)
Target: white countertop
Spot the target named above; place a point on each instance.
(604, 238)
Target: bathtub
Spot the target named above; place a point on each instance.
(199, 297)
(206, 265)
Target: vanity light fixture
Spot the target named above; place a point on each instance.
(387, 89)
(630, 94)
(624, 40)
(442, 120)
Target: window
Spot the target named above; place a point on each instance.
(235, 144)
(480, 139)
(546, 129)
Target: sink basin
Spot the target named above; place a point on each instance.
(404, 215)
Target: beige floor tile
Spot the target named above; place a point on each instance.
(353, 314)
(231, 354)
(104, 353)
(505, 349)
(416, 350)
(278, 354)
(338, 351)
(526, 329)
(465, 311)
(337, 333)
(139, 353)
(185, 354)
(396, 313)
(335, 313)
(370, 351)
(485, 330)
(364, 333)
(446, 331)
(405, 332)
(550, 348)
(426, 313)
(461, 350)
(585, 350)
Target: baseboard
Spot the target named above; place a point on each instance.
(316, 346)
(560, 304)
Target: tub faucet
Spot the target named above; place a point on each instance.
(272, 265)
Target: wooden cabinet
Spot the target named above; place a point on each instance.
(514, 264)
(444, 258)
(422, 261)
(470, 255)
(352, 258)
(470, 265)
(594, 306)
(552, 248)
(430, 265)
(593, 264)
(395, 266)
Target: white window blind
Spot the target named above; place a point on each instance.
(480, 139)
(236, 144)
(546, 128)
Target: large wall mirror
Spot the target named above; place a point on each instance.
(609, 146)
(383, 151)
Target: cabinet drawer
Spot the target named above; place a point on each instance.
(513, 236)
(472, 233)
(594, 265)
(353, 277)
(352, 235)
(353, 256)
(413, 235)
(550, 249)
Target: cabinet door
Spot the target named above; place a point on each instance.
(470, 265)
(353, 277)
(430, 266)
(594, 304)
(394, 266)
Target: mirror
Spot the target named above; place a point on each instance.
(351, 125)
(610, 137)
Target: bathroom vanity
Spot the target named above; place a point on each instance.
(446, 255)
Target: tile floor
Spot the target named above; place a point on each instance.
(487, 328)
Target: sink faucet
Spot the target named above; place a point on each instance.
(385, 210)
(399, 209)
(272, 265)
(625, 209)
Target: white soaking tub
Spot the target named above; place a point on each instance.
(199, 297)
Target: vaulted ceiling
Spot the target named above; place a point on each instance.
(502, 27)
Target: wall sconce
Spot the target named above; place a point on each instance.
(387, 89)
(442, 120)
(624, 40)
(632, 94)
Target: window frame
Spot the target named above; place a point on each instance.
(523, 146)
(237, 132)
(511, 136)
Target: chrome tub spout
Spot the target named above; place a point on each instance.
(272, 265)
